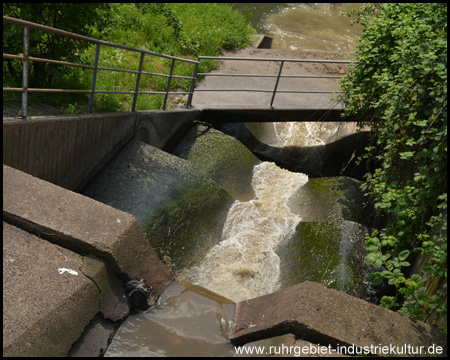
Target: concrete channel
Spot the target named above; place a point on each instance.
(67, 257)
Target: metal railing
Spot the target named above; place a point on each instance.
(95, 67)
(275, 90)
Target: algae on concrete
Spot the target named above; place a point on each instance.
(181, 209)
(329, 253)
(331, 199)
(328, 245)
(226, 160)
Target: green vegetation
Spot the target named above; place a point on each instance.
(399, 88)
(184, 30)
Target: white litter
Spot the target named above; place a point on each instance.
(63, 270)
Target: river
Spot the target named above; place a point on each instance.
(305, 26)
(189, 321)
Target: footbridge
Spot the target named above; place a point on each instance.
(66, 257)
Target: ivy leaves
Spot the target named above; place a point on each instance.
(399, 87)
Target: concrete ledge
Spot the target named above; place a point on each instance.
(164, 129)
(45, 309)
(214, 116)
(65, 150)
(83, 225)
(327, 317)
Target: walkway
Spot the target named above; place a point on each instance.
(261, 100)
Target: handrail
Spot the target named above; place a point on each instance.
(275, 90)
(95, 67)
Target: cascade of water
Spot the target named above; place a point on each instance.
(244, 264)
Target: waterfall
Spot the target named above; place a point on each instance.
(244, 264)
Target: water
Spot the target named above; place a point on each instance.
(190, 321)
(305, 26)
(186, 321)
(244, 264)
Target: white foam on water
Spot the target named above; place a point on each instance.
(244, 264)
(304, 134)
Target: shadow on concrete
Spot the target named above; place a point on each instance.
(338, 158)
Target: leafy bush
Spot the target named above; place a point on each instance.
(399, 88)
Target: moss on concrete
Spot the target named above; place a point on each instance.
(181, 209)
(329, 253)
(222, 157)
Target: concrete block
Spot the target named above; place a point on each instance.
(113, 300)
(66, 150)
(325, 316)
(83, 225)
(47, 301)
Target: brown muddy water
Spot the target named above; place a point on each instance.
(305, 26)
(189, 320)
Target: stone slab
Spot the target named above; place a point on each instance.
(45, 307)
(95, 339)
(83, 225)
(325, 316)
(113, 300)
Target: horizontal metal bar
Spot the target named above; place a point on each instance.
(86, 38)
(119, 70)
(48, 28)
(58, 62)
(270, 59)
(125, 47)
(143, 72)
(140, 92)
(274, 76)
(46, 90)
(271, 91)
(166, 75)
(163, 93)
(96, 91)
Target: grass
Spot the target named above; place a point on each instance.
(181, 30)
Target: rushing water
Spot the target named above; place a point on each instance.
(189, 321)
(244, 264)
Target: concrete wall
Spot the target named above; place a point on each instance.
(68, 151)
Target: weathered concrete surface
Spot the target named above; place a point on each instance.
(247, 99)
(65, 150)
(83, 225)
(286, 346)
(181, 210)
(69, 150)
(324, 316)
(223, 158)
(164, 129)
(113, 300)
(95, 339)
(44, 310)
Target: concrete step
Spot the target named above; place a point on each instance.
(332, 319)
(65, 259)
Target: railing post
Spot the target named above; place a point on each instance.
(191, 89)
(168, 84)
(26, 46)
(138, 81)
(94, 78)
(276, 84)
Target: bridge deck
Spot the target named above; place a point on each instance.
(204, 98)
